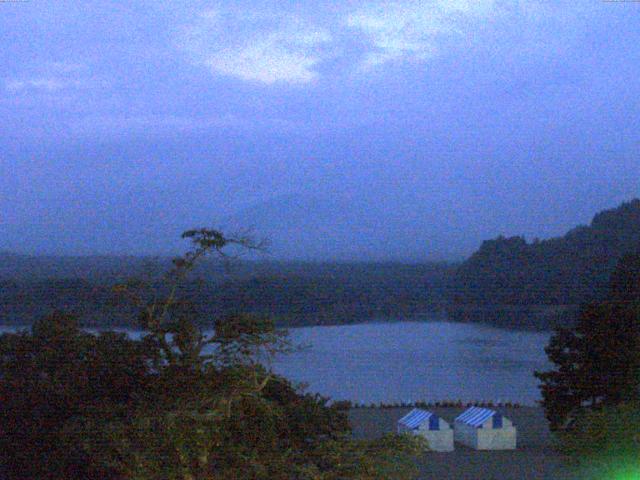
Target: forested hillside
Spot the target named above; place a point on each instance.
(292, 293)
(509, 279)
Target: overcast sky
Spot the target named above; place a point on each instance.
(340, 130)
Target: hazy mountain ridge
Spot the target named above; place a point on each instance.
(557, 273)
(293, 293)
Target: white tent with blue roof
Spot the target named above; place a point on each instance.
(484, 429)
(438, 433)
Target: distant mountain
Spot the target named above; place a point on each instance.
(544, 276)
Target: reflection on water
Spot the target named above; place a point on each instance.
(408, 361)
(394, 362)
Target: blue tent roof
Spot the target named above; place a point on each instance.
(415, 417)
(475, 416)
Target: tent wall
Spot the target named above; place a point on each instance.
(496, 439)
(439, 436)
(436, 431)
(439, 440)
(466, 435)
(486, 438)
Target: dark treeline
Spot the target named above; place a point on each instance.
(294, 294)
(590, 395)
(510, 281)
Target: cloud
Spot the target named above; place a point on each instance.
(43, 84)
(262, 47)
(49, 78)
(414, 30)
(268, 46)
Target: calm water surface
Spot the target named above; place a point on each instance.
(408, 361)
(393, 362)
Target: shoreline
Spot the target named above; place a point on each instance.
(420, 318)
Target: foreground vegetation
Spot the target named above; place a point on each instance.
(175, 404)
(592, 396)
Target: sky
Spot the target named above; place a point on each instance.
(343, 130)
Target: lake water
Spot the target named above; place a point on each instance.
(409, 361)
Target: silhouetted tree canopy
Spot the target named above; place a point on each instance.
(597, 363)
(176, 403)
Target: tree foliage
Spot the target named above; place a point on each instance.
(598, 361)
(569, 270)
(52, 375)
(176, 403)
(605, 443)
(292, 293)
